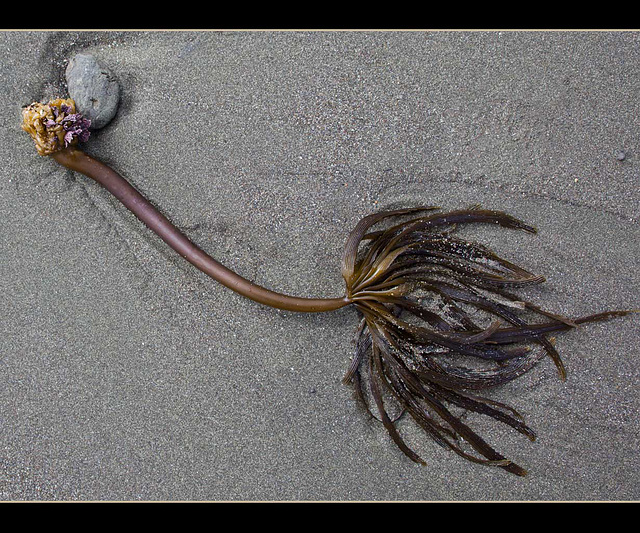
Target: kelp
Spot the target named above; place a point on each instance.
(439, 322)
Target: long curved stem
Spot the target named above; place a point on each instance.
(79, 161)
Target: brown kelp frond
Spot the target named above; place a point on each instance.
(356, 235)
(438, 322)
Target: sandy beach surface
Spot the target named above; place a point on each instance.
(126, 374)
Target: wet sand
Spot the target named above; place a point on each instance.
(128, 375)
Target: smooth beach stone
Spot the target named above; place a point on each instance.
(94, 88)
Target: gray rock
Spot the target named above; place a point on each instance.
(94, 88)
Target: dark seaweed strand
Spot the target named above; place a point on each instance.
(418, 364)
(79, 161)
(421, 401)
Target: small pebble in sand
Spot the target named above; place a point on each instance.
(94, 89)
(621, 155)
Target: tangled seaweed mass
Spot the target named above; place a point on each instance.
(430, 361)
(439, 320)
